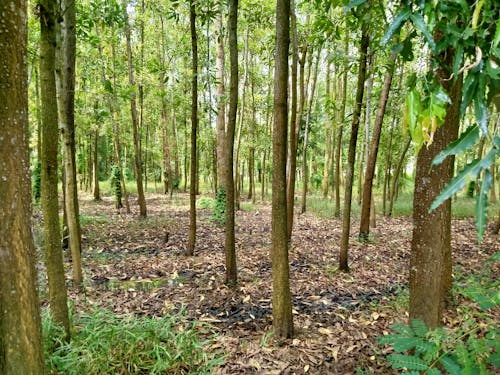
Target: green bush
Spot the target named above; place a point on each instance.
(104, 343)
(219, 208)
(116, 184)
(471, 348)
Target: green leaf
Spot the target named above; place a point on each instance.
(402, 344)
(450, 365)
(108, 86)
(407, 361)
(481, 115)
(469, 91)
(466, 140)
(395, 25)
(419, 328)
(354, 4)
(496, 39)
(420, 24)
(482, 204)
(434, 371)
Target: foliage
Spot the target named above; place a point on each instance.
(219, 209)
(104, 343)
(116, 183)
(37, 181)
(471, 348)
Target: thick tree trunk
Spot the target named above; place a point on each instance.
(430, 260)
(282, 301)
(135, 125)
(346, 215)
(194, 129)
(50, 135)
(229, 244)
(20, 334)
(364, 228)
(67, 124)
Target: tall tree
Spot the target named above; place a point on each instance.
(282, 299)
(135, 122)
(346, 214)
(229, 246)
(194, 128)
(221, 102)
(50, 134)
(66, 96)
(20, 334)
(364, 229)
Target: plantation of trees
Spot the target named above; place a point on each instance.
(249, 187)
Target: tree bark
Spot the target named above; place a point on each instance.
(430, 260)
(229, 244)
(95, 166)
(221, 103)
(346, 215)
(194, 129)
(282, 301)
(67, 124)
(135, 125)
(364, 228)
(328, 143)
(395, 180)
(20, 334)
(50, 135)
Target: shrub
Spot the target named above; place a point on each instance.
(104, 343)
(219, 208)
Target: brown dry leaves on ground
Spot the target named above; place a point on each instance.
(137, 266)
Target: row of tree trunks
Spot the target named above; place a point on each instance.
(20, 333)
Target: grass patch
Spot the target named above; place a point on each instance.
(104, 343)
(93, 219)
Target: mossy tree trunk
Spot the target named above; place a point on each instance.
(20, 334)
(50, 135)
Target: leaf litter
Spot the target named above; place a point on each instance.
(137, 266)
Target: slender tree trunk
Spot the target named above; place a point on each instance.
(305, 175)
(221, 102)
(50, 134)
(282, 301)
(95, 165)
(292, 169)
(346, 215)
(328, 143)
(135, 125)
(67, 124)
(395, 180)
(229, 245)
(20, 334)
(338, 152)
(194, 129)
(430, 260)
(364, 228)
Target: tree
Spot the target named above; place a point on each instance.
(194, 127)
(364, 228)
(346, 214)
(229, 246)
(50, 133)
(20, 334)
(135, 124)
(66, 96)
(282, 301)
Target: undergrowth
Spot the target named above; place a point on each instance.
(473, 347)
(104, 343)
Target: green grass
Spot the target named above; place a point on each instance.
(104, 343)
(93, 219)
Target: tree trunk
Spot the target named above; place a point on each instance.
(95, 165)
(194, 129)
(338, 150)
(305, 175)
(395, 180)
(364, 228)
(135, 126)
(221, 103)
(50, 134)
(282, 301)
(229, 244)
(328, 143)
(430, 260)
(20, 334)
(67, 124)
(346, 215)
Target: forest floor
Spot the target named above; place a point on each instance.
(138, 266)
